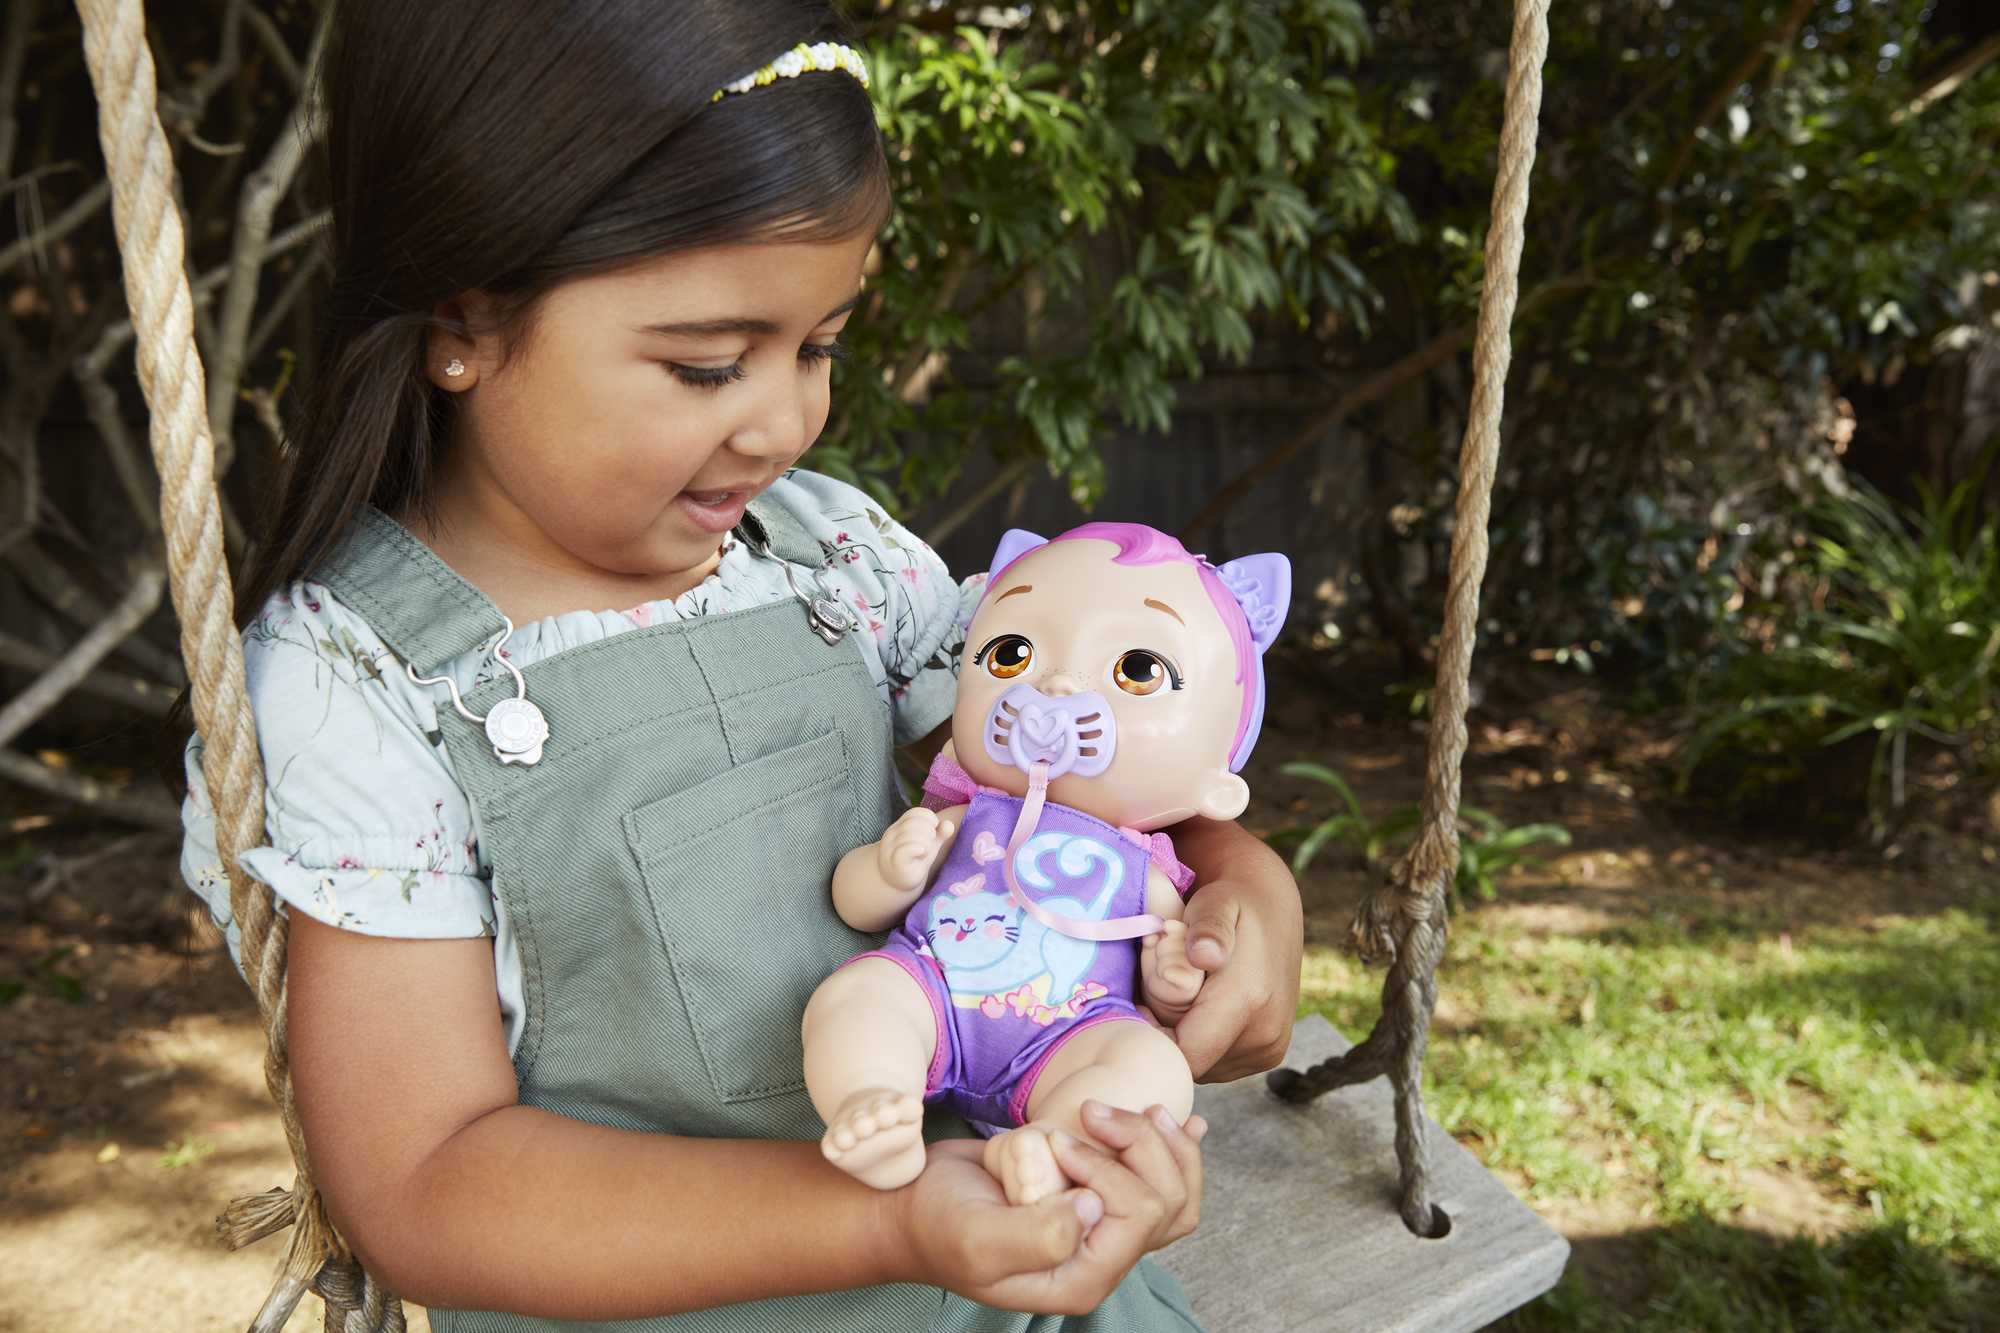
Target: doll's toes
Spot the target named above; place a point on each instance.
(877, 1137)
(1025, 1165)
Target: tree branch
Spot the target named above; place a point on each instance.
(1947, 80)
(13, 55)
(67, 221)
(978, 500)
(151, 697)
(1379, 385)
(44, 577)
(101, 798)
(1779, 36)
(261, 193)
(274, 45)
(140, 600)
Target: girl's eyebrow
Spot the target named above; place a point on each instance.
(709, 328)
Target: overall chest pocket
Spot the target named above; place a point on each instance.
(740, 870)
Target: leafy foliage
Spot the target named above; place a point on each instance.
(1094, 202)
(1739, 211)
(1897, 636)
(1487, 847)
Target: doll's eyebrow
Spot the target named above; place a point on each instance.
(1162, 606)
(1025, 587)
(710, 328)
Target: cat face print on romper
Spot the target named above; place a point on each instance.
(1000, 961)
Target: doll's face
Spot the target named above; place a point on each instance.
(1067, 619)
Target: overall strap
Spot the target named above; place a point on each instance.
(422, 609)
(783, 533)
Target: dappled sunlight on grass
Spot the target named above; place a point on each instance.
(1690, 1072)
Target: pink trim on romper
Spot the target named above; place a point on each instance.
(1017, 1105)
(940, 1052)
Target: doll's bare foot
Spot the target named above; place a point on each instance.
(1024, 1164)
(877, 1136)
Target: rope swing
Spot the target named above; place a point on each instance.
(1404, 923)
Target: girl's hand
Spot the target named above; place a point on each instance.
(1246, 930)
(1066, 1254)
(1165, 1154)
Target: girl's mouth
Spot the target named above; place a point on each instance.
(713, 511)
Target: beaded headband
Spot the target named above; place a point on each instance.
(826, 57)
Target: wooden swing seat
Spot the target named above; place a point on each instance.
(1299, 1230)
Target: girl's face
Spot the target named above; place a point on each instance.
(644, 408)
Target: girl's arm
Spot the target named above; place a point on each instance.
(1246, 929)
(455, 1195)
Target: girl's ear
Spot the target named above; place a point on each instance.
(1225, 797)
(451, 361)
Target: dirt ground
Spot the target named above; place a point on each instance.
(132, 1104)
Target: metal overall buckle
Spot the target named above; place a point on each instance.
(515, 727)
(825, 612)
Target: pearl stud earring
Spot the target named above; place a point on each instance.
(454, 367)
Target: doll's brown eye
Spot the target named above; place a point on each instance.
(1007, 656)
(1140, 672)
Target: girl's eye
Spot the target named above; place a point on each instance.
(715, 377)
(1007, 656)
(1140, 672)
(706, 377)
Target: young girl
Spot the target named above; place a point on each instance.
(557, 875)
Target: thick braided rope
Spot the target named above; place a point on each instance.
(148, 227)
(1404, 922)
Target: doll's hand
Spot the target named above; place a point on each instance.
(905, 854)
(1170, 981)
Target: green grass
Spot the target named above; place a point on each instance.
(1668, 1067)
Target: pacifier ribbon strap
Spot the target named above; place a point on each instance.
(1077, 928)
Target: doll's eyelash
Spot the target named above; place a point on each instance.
(716, 377)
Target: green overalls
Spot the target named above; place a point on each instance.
(666, 868)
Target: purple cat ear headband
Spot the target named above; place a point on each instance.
(1258, 586)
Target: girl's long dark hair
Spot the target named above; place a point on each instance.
(507, 146)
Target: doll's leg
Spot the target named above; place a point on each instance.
(1127, 1063)
(869, 1035)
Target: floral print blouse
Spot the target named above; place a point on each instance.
(369, 829)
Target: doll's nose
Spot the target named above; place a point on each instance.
(1060, 683)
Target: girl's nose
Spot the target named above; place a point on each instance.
(776, 428)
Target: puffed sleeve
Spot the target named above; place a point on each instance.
(910, 607)
(368, 828)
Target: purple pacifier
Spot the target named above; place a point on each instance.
(1071, 733)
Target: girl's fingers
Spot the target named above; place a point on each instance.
(1038, 1238)
(1184, 1142)
(1141, 1141)
(1135, 1212)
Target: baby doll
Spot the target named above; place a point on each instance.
(1113, 685)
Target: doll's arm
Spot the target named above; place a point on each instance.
(874, 885)
(1168, 981)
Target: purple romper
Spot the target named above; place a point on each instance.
(1005, 990)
